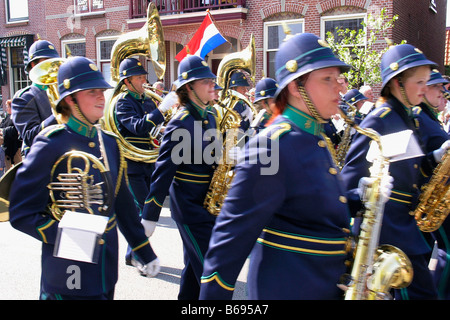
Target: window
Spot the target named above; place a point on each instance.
(331, 23)
(18, 75)
(274, 35)
(16, 11)
(88, 6)
(77, 47)
(215, 56)
(104, 47)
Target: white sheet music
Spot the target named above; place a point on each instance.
(79, 234)
(396, 146)
(77, 245)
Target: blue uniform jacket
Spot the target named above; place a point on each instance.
(296, 219)
(30, 197)
(431, 129)
(183, 169)
(135, 118)
(31, 112)
(399, 227)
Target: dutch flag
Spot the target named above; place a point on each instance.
(204, 40)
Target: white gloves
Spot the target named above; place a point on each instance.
(151, 269)
(149, 227)
(386, 186)
(168, 102)
(439, 153)
(247, 114)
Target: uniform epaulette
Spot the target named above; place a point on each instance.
(181, 114)
(382, 112)
(276, 131)
(21, 92)
(110, 133)
(50, 130)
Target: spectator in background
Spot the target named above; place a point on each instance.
(344, 83)
(159, 88)
(367, 91)
(11, 142)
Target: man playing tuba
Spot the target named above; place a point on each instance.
(31, 110)
(136, 116)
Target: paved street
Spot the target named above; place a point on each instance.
(20, 266)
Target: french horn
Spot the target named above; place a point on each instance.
(76, 189)
(149, 42)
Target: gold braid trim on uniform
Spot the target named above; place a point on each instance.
(330, 147)
(122, 169)
(310, 105)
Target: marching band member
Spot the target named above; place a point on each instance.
(81, 87)
(294, 221)
(183, 172)
(239, 83)
(264, 98)
(404, 71)
(31, 108)
(136, 116)
(434, 136)
(355, 98)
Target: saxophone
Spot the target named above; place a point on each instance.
(224, 173)
(434, 200)
(229, 123)
(344, 145)
(376, 269)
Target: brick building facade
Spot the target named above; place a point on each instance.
(90, 27)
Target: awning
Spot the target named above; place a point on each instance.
(16, 41)
(7, 42)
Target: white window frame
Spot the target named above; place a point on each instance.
(10, 20)
(342, 17)
(98, 54)
(266, 35)
(173, 53)
(69, 41)
(13, 81)
(90, 11)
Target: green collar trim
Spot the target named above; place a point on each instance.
(202, 112)
(42, 87)
(135, 95)
(302, 120)
(81, 127)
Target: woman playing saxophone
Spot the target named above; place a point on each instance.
(405, 71)
(293, 220)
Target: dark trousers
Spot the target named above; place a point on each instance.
(195, 239)
(422, 286)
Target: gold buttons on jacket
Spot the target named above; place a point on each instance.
(322, 143)
(343, 199)
(91, 144)
(333, 171)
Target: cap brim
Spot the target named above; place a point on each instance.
(419, 63)
(339, 64)
(94, 84)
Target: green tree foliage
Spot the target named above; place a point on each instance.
(360, 49)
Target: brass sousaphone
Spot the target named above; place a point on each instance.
(149, 42)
